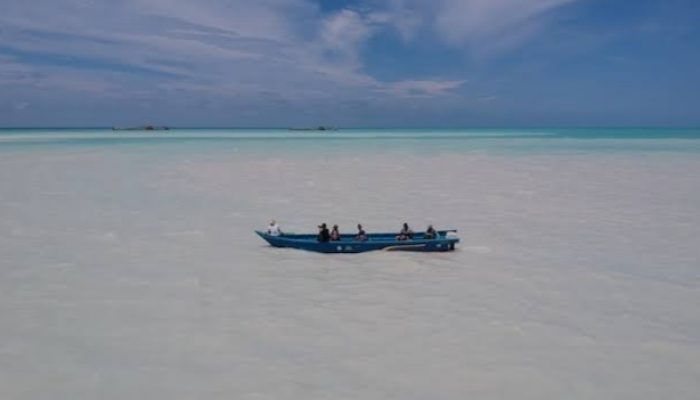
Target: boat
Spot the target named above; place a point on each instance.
(141, 128)
(445, 241)
(320, 128)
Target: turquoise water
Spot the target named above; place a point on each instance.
(442, 140)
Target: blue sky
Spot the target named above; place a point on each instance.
(350, 63)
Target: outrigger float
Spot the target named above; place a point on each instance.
(445, 241)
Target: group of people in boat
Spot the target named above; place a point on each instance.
(324, 235)
(406, 233)
(333, 234)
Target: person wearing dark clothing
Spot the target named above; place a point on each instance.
(335, 234)
(406, 233)
(361, 235)
(430, 233)
(323, 234)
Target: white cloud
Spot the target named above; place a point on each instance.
(476, 24)
(421, 88)
(21, 105)
(267, 45)
(473, 21)
(399, 15)
(343, 34)
(285, 51)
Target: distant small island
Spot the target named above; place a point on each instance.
(141, 128)
(318, 128)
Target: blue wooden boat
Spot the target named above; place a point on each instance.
(445, 241)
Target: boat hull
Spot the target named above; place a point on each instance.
(347, 244)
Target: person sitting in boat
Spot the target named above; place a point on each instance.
(323, 234)
(361, 235)
(335, 234)
(430, 233)
(273, 229)
(406, 233)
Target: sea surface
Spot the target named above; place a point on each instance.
(461, 140)
(129, 267)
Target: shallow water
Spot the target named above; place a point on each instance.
(129, 267)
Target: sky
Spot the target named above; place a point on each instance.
(363, 63)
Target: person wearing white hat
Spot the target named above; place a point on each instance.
(274, 229)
